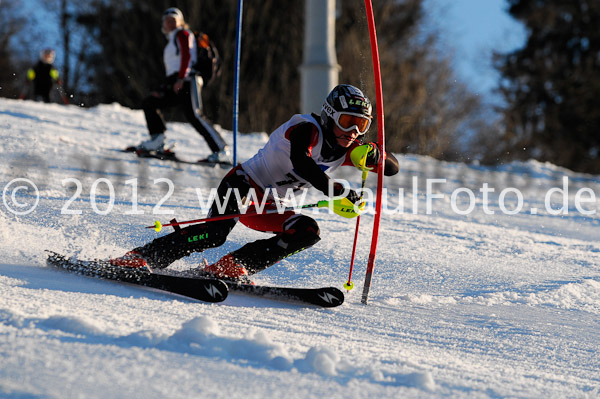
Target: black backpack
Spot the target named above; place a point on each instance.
(208, 61)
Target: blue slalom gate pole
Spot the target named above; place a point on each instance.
(236, 78)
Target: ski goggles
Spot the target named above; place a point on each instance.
(347, 122)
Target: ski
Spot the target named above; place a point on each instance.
(171, 156)
(327, 297)
(201, 288)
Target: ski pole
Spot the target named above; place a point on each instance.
(24, 91)
(158, 225)
(349, 284)
(63, 93)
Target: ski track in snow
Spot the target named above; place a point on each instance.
(461, 306)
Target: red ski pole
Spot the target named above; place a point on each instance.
(158, 225)
(349, 284)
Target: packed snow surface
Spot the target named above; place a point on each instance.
(486, 281)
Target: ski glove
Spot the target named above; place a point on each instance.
(344, 207)
(349, 206)
(363, 155)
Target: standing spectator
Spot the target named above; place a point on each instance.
(42, 76)
(182, 88)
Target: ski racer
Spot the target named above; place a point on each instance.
(181, 87)
(296, 157)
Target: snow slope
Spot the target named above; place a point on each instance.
(464, 303)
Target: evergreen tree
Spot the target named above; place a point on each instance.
(552, 84)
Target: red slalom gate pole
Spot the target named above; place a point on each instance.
(381, 144)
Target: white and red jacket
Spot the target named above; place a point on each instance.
(179, 53)
(273, 166)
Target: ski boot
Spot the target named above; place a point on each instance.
(131, 259)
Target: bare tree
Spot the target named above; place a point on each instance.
(427, 109)
(11, 23)
(72, 40)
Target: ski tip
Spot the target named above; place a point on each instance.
(326, 297)
(331, 297)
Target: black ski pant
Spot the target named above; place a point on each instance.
(293, 232)
(188, 98)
